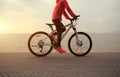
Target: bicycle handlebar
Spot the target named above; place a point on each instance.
(75, 18)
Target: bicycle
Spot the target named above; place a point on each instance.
(41, 43)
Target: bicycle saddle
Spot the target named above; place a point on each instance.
(50, 24)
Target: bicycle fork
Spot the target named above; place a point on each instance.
(78, 39)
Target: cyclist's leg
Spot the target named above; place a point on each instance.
(59, 25)
(60, 29)
(59, 32)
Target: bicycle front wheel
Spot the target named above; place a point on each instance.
(40, 44)
(80, 44)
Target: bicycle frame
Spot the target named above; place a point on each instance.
(41, 43)
(70, 26)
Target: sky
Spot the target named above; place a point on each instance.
(28, 16)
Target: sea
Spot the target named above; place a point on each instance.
(102, 42)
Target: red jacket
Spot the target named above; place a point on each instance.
(59, 10)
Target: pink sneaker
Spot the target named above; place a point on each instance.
(59, 49)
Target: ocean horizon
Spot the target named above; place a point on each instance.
(101, 42)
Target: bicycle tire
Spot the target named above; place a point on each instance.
(88, 38)
(40, 35)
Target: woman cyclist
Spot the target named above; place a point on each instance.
(60, 9)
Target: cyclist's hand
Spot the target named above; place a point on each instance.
(75, 18)
(71, 19)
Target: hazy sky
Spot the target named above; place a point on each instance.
(25, 16)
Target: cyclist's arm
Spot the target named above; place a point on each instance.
(65, 15)
(68, 8)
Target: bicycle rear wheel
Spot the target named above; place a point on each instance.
(40, 44)
(80, 44)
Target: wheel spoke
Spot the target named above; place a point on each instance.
(80, 44)
(40, 44)
(34, 46)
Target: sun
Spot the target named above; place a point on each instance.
(2, 28)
